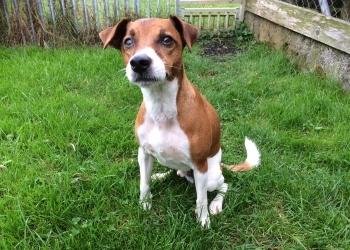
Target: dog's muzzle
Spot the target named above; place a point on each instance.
(146, 68)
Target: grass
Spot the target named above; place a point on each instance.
(69, 172)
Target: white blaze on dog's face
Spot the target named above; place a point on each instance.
(152, 54)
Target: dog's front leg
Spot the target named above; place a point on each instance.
(201, 180)
(146, 164)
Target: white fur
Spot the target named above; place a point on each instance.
(160, 135)
(216, 182)
(160, 101)
(253, 154)
(201, 182)
(146, 164)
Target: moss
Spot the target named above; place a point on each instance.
(319, 71)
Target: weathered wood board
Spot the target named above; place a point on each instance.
(328, 30)
(181, 2)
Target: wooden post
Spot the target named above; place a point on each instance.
(116, 9)
(41, 13)
(324, 7)
(345, 11)
(52, 12)
(137, 7)
(86, 15)
(242, 10)
(107, 16)
(18, 16)
(74, 7)
(31, 22)
(96, 16)
(177, 7)
(4, 7)
(209, 18)
(63, 7)
(168, 8)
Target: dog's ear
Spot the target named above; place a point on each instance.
(113, 36)
(189, 33)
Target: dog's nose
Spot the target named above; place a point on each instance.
(140, 63)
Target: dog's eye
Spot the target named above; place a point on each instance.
(128, 43)
(167, 41)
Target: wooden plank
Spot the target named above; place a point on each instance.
(325, 29)
(106, 11)
(7, 17)
(41, 13)
(158, 8)
(19, 19)
(209, 19)
(168, 8)
(86, 15)
(209, 9)
(52, 12)
(96, 15)
(74, 7)
(218, 21)
(31, 22)
(137, 7)
(116, 9)
(241, 11)
(182, 2)
(177, 7)
(63, 7)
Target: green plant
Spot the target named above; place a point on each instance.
(240, 36)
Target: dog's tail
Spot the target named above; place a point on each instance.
(253, 158)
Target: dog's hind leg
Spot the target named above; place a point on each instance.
(216, 182)
(216, 204)
(187, 174)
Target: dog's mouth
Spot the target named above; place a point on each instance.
(148, 80)
(145, 81)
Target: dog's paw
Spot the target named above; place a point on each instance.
(203, 219)
(145, 203)
(205, 222)
(215, 207)
(181, 173)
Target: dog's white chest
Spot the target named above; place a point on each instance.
(166, 142)
(160, 134)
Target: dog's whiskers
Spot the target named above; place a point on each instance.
(172, 66)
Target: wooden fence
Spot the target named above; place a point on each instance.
(43, 22)
(66, 22)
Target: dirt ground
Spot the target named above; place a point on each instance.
(218, 48)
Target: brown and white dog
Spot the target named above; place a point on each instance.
(175, 123)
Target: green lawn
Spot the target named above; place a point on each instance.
(69, 175)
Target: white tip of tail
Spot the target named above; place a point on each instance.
(253, 154)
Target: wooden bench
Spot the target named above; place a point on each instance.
(236, 12)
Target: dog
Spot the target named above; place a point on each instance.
(175, 123)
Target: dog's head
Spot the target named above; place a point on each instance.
(151, 48)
